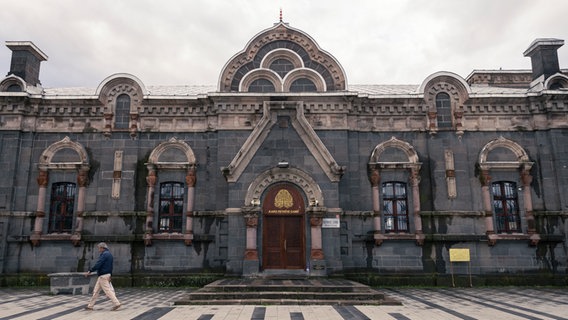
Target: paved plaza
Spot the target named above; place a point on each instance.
(431, 304)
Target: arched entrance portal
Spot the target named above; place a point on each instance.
(283, 228)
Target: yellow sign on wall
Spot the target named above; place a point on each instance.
(459, 255)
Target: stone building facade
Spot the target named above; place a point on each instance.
(284, 167)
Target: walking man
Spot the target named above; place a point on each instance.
(104, 271)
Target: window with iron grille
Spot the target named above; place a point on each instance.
(506, 206)
(62, 207)
(395, 207)
(122, 112)
(171, 206)
(444, 110)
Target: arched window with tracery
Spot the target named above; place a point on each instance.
(444, 110)
(261, 86)
(122, 112)
(303, 85)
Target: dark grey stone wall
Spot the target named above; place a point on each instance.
(220, 237)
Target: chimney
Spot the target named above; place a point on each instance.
(26, 60)
(544, 56)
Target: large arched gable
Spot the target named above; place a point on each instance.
(275, 42)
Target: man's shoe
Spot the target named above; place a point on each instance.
(115, 307)
(88, 309)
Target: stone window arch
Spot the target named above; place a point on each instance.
(170, 163)
(13, 83)
(305, 73)
(110, 90)
(258, 74)
(395, 160)
(557, 82)
(67, 162)
(506, 162)
(458, 91)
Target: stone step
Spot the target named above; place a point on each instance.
(306, 285)
(202, 295)
(317, 291)
(389, 302)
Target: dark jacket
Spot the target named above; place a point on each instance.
(104, 264)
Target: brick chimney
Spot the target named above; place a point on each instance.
(26, 60)
(544, 56)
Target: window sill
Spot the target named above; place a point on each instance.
(533, 238)
(186, 237)
(380, 237)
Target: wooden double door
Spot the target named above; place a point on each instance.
(283, 236)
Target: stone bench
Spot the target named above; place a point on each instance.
(71, 283)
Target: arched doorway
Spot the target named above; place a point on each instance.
(283, 228)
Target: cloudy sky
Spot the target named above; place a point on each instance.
(187, 42)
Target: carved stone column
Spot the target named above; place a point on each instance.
(485, 180)
(107, 130)
(42, 181)
(82, 181)
(433, 122)
(251, 263)
(317, 263)
(375, 180)
(190, 181)
(133, 125)
(149, 225)
(415, 182)
(458, 116)
(315, 215)
(526, 180)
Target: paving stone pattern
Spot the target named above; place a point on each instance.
(432, 304)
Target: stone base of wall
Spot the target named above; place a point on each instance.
(71, 283)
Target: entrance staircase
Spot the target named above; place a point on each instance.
(308, 291)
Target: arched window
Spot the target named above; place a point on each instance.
(171, 206)
(62, 207)
(395, 207)
(444, 110)
(303, 85)
(261, 85)
(14, 88)
(506, 206)
(281, 66)
(122, 112)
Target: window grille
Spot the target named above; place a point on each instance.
(171, 207)
(395, 207)
(62, 207)
(506, 206)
